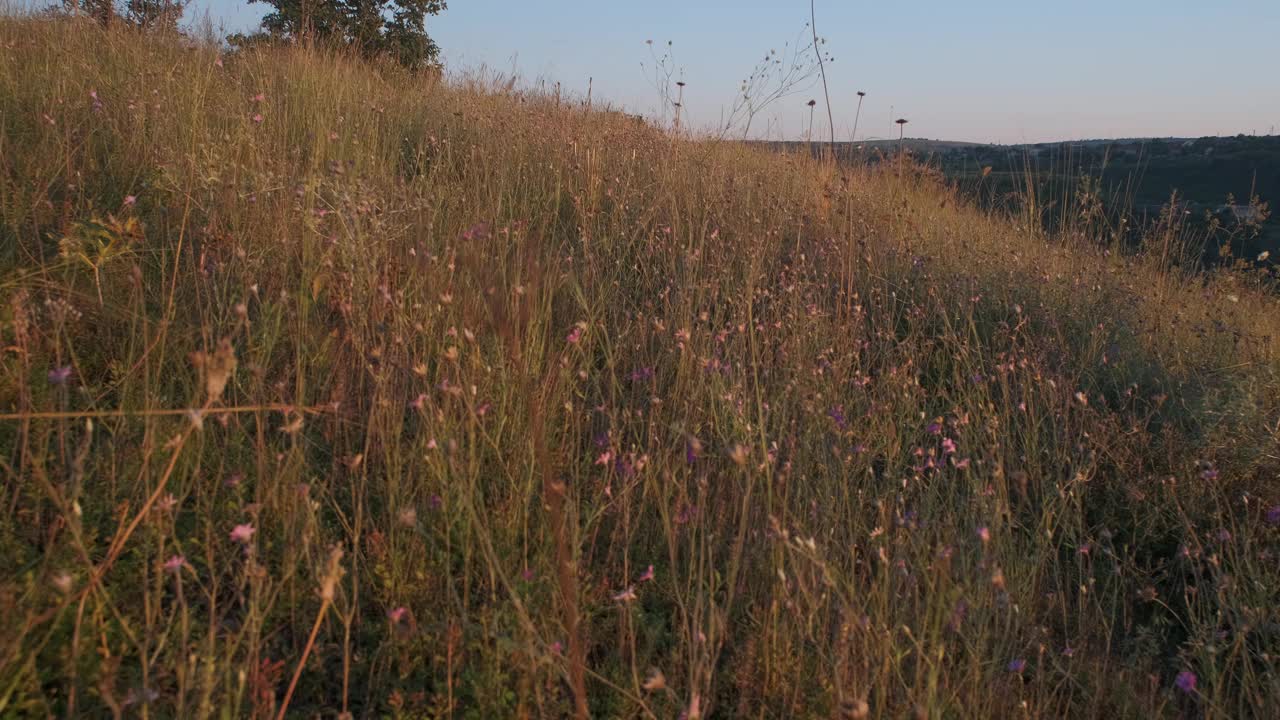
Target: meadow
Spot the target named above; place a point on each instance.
(331, 390)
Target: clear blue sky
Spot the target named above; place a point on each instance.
(988, 70)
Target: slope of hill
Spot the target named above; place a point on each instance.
(329, 389)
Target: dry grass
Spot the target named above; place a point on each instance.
(331, 387)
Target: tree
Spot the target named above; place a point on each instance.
(374, 28)
(144, 14)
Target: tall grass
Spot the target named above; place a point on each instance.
(328, 389)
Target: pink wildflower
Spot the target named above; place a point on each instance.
(174, 564)
(243, 533)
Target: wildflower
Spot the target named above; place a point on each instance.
(1186, 681)
(1273, 515)
(63, 582)
(174, 564)
(527, 575)
(167, 503)
(217, 62)
(837, 413)
(1082, 399)
(407, 517)
(948, 446)
(557, 647)
(739, 454)
(1017, 666)
(984, 534)
(59, 375)
(243, 533)
(396, 615)
(647, 576)
(257, 118)
(626, 595)
(1209, 474)
(692, 450)
(960, 464)
(655, 680)
(574, 335)
(145, 696)
(934, 428)
(130, 200)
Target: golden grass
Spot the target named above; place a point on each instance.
(884, 453)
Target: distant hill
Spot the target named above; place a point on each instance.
(1214, 175)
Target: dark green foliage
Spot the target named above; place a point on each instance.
(374, 28)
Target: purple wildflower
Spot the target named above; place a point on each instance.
(1186, 681)
(59, 375)
(1017, 666)
(1273, 515)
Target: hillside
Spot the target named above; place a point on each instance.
(329, 389)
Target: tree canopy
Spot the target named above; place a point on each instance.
(394, 28)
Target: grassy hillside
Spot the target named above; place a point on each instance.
(328, 389)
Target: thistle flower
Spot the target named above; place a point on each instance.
(243, 533)
(1186, 681)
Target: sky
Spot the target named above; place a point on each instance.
(1008, 71)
